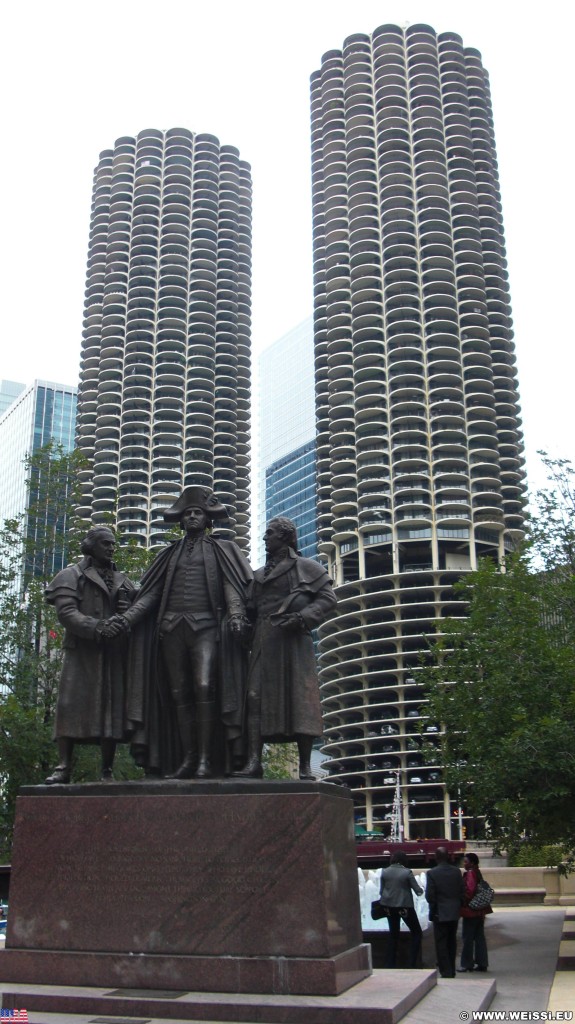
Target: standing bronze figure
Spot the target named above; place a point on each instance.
(187, 659)
(290, 596)
(91, 705)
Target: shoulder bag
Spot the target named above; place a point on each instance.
(378, 911)
(483, 897)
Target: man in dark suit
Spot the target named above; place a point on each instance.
(444, 892)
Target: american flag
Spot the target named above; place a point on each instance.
(19, 1015)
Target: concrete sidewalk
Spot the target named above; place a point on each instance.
(523, 946)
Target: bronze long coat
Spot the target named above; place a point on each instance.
(156, 741)
(91, 695)
(283, 663)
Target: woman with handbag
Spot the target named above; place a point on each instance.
(474, 951)
(396, 895)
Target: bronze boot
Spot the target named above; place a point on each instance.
(253, 767)
(304, 746)
(205, 713)
(63, 771)
(184, 713)
(108, 751)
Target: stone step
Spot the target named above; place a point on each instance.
(37, 1017)
(449, 997)
(518, 896)
(383, 998)
(566, 958)
(440, 1003)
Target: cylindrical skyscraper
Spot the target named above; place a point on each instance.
(165, 374)
(420, 464)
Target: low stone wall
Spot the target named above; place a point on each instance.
(519, 886)
(531, 885)
(560, 890)
(528, 886)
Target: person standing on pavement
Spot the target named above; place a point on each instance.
(474, 951)
(397, 887)
(444, 892)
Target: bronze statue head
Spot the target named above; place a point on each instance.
(287, 530)
(87, 545)
(99, 543)
(197, 497)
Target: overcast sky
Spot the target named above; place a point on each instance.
(78, 75)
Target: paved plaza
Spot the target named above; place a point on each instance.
(523, 945)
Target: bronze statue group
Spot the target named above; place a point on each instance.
(203, 663)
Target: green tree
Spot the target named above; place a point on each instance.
(130, 556)
(33, 548)
(552, 525)
(30, 661)
(280, 760)
(502, 682)
(51, 530)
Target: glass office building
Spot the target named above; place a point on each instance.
(9, 390)
(41, 413)
(291, 492)
(286, 427)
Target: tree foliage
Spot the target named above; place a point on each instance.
(280, 760)
(51, 530)
(502, 682)
(33, 548)
(552, 526)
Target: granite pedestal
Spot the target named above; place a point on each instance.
(384, 998)
(215, 886)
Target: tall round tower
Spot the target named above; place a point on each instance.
(165, 374)
(420, 458)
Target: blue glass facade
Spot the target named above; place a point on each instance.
(54, 416)
(291, 492)
(41, 413)
(285, 426)
(9, 391)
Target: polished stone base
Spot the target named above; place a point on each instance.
(309, 976)
(239, 886)
(384, 998)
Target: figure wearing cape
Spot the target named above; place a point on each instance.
(155, 741)
(91, 706)
(289, 597)
(91, 691)
(284, 663)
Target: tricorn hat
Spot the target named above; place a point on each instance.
(201, 497)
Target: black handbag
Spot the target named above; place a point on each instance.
(483, 896)
(378, 911)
